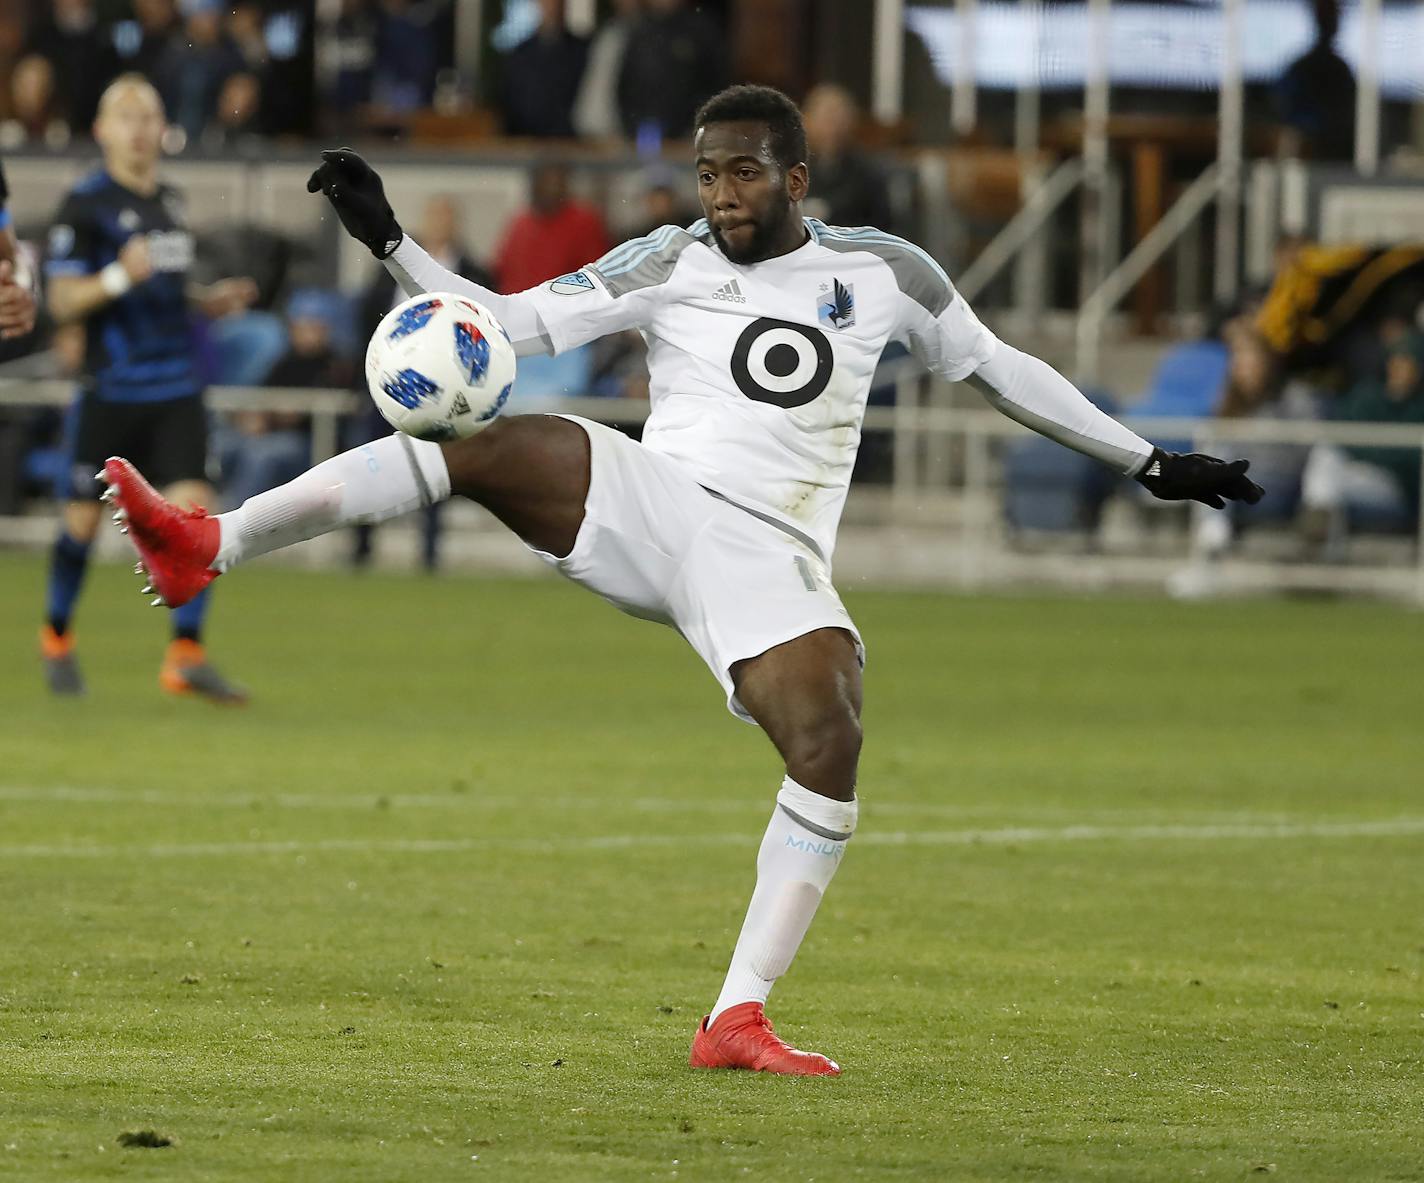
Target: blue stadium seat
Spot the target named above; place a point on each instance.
(1052, 488)
(1186, 384)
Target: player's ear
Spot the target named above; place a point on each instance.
(798, 181)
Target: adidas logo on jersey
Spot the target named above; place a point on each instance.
(731, 292)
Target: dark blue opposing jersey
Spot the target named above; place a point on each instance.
(140, 346)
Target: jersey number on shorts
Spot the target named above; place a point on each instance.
(785, 364)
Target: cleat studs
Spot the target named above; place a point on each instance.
(123, 529)
(99, 476)
(120, 515)
(146, 590)
(156, 602)
(138, 569)
(108, 494)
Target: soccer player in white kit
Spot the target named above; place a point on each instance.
(764, 328)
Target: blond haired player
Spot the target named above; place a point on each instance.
(118, 261)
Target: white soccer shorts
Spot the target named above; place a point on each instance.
(656, 544)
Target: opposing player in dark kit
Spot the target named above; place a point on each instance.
(119, 255)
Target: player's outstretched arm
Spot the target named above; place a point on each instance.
(355, 191)
(1035, 394)
(943, 332)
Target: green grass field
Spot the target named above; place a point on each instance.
(1137, 894)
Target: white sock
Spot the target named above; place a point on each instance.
(800, 852)
(369, 484)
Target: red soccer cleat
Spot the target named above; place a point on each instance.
(176, 547)
(742, 1037)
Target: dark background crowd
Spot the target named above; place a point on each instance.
(242, 76)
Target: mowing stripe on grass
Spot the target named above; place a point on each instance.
(1010, 836)
(472, 799)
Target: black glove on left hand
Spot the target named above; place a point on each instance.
(1175, 476)
(355, 191)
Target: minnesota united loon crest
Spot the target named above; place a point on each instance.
(837, 311)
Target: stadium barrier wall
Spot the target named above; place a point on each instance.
(939, 520)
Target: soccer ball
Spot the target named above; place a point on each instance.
(439, 367)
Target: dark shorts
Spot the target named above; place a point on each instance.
(166, 441)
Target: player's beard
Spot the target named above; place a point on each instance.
(765, 233)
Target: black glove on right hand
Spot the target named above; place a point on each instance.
(1191, 476)
(355, 191)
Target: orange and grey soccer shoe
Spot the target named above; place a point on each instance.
(186, 670)
(61, 667)
(175, 547)
(742, 1037)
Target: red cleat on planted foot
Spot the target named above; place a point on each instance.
(742, 1037)
(176, 547)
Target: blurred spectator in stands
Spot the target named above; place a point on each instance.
(244, 30)
(1374, 486)
(847, 189)
(541, 77)
(406, 55)
(33, 116)
(1315, 97)
(439, 234)
(269, 448)
(556, 234)
(347, 60)
(238, 117)
(1256, 388)
(194, 65)
(675, 59)
(595, 113)
(1326, 302)
(661, 201)
(619, 365)
(69, 35)
(140, 42)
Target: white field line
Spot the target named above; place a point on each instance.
(475, 799)
(1010, 836)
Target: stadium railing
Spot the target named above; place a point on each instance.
(939, 519)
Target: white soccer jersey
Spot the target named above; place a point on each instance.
(759, 373)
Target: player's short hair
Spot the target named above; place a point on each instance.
(763, 104)
(132, 80)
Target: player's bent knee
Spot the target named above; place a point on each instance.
(822, 754)
(470, 461)
(513, 453)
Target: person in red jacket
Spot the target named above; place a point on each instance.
(555, 235)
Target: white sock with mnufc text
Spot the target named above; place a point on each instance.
(366, 485)
(800, 852)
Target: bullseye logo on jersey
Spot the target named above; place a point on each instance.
(782, 363)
